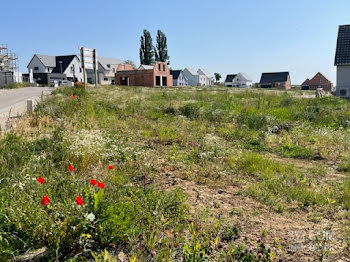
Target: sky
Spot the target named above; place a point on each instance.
(222, 36)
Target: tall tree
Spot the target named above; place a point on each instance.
(130, 62)
(161, 50)
(146, 49)
(217, 77)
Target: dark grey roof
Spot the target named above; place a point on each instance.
(66, 60)
(342, 56)
(274, 77)
(229, 78)
(175, 73)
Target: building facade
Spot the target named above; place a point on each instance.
(193, 78)
(318, 81)
(50, 68)
(209, 77)
(342, 62)
(178, 78)
(280, 80)
(107, 67)
(238, 80)
(156, 75)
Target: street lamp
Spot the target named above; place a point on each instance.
(60, 62)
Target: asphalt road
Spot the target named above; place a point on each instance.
(15, 98)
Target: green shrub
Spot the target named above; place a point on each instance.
(190, 110)
(295, 151)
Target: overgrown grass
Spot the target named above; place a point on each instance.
(204, 135)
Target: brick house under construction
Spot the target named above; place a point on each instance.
(318, 81)
(146, 75)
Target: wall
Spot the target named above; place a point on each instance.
(145, 77)
(343, 80)
(35, 62)
(78, 73)
(180, 81)
(193, 80)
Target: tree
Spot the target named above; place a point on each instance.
(217, 77)
(130, 62)
(146, 49)
(161, 50)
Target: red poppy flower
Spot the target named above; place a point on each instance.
(93, 182)
(100, 185)
(72, 96)
(75, 106)
(45, 200)
(71, 168)
(110, 167)
(79, 201)
(75, 96)
(41, 180)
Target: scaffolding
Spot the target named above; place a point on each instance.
(8, 66)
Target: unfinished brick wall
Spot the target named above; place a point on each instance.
(148, 77)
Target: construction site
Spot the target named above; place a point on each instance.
(8, 67)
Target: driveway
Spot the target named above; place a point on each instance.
(15, 100)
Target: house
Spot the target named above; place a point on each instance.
(146, 75)
(107, 67)
(178, 78)
(318, 81)
(209, 80)
(238, 80)
(193, 78)
(342, 62)
(280, 80)
(46, 68)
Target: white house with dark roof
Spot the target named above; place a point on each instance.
(209, 81)
(46, 68)
(178, 78)
(194, 78)
(342, 62)
(107, 67)
(238, 80)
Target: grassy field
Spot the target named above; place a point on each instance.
(184, 174)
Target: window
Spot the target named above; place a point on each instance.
(72, 69)
(163, 67)
(113, 70)
(36, 68)
(159, 67)
(105, 79)
(80, 69)
(157, 80)
(343, 92)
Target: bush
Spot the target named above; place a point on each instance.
(190, 110)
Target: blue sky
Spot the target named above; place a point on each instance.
(225, 36)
